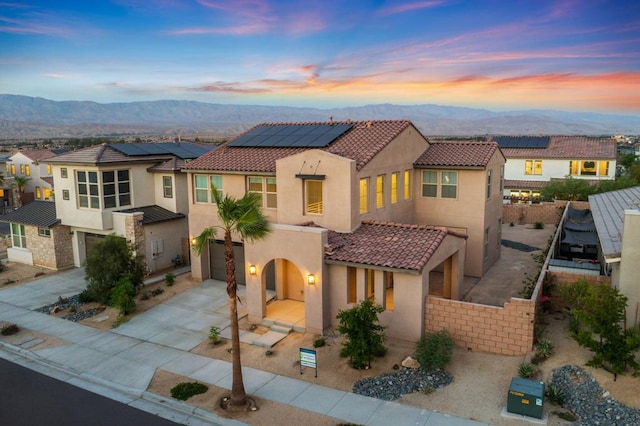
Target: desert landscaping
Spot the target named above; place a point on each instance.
(480, 381)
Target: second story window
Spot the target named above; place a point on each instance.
(202, 186)
(38, 192)
(380, 191)
(49, 169)
(88, 191)
(116, 188)
(501, 179)
(429, 183)
(449, 184)
(313, 197)
(266, 188)
(394, 187)
(533, 167)
(364, 195)
(589, 168)
(63, 172)
(407, 184)
(167, 186)
(27, 170)
(13, 170)
(488, 183)
(21, 169)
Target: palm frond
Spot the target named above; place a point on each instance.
(202, 240)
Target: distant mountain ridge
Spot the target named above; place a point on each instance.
(24, 117)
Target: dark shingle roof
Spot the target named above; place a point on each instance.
(154, 214)
(360, 143)
(386, 245)
(36, 213)
(457, 154)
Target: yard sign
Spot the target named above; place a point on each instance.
(308, 359)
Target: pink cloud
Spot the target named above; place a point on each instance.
(20, 26)
(408, 7)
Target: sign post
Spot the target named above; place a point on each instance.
(308, 359)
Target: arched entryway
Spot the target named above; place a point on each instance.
(287, 308)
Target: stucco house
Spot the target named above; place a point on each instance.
(533, 161)
(135, 190)
(616, 215)
(366, 209)
(30, 165)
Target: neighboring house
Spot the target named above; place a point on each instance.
(5, 188)
(533, 161)
(616, 215)
(37, 236)
(136, 191)
(359, 210)
(30, 165)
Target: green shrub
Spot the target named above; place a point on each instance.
(527, 370)
(364, 333)
(122, 296)
(9, 329)
(214, 335)
(538, 225)
(157, 291)
(319, 342)
(186, 390)
(544, 348)
(170, 279)
(85, 297)
(434, 350)
(555, 395)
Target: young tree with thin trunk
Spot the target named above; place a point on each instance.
(245, 217)
(20, 183)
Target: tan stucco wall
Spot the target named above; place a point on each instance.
(170, 233)
(630, 259)
(303, 247)
(179, 203)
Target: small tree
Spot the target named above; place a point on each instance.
(111, 259)
(598, 312)
(365, 337)
(570, 189)
(122, 296)
(434, 350)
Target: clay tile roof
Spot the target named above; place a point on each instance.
(569, 147)
(360, 143)
(457, 154)
(524, 184)
(386, 245)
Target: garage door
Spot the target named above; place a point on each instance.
(90, 242)
(218, 271)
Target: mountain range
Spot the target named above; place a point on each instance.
(23, 117)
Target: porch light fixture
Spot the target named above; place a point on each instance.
(252, 269)
(311, 279)
(193, 241)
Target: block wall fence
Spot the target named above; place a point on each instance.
(547, 213)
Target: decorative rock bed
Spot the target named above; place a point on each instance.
(391, 386)
(587, 400)
(70, 302)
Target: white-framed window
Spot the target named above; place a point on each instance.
(44, 232)
(533, 167)
(449, 184)
(48, 169)
(407, 184)
(588, 168)
(202, 186)
(38, 192)
(167, 186)
(488, 183)
(380, 191)
(88, 189)
(13, 170)
(429, 183)
(116, 188)
(65, 194)
(364, 195)
(501, 179)
(266, 188)
(18, 235)
(394, 187)
(21, 169)
(27, 170)
(63, 172)
(47, 193)
(313, 197)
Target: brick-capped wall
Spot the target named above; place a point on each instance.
(547, 213)
(504, 331)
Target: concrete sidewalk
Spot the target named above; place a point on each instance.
(120, 363)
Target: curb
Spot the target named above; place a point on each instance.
(127, 392)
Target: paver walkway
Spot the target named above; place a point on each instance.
(121, 363)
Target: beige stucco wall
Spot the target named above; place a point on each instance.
(628, 283)
(179, 202)
(471, 212)
(303, 247)
(169, 235)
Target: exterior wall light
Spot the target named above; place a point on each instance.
(252, 269)
(193, 241)
(311, 279)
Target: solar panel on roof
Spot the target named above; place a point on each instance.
(291, 136)
(539, 142)
(184, 150)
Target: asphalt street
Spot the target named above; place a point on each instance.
(29, 398)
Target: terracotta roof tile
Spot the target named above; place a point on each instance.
(457, 154)
(569, 147)
(386, 245)
(361, 143)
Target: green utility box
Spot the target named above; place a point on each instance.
(525, 397)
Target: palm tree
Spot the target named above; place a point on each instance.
(20, 182)
(243, 216)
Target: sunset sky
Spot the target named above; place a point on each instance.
(569, 55)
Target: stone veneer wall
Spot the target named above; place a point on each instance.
(483, 328)
(547, 213)
(134, 232)
(54, 252)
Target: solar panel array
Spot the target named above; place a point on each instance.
(539, 142)
(183, 150)
(291, 136)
